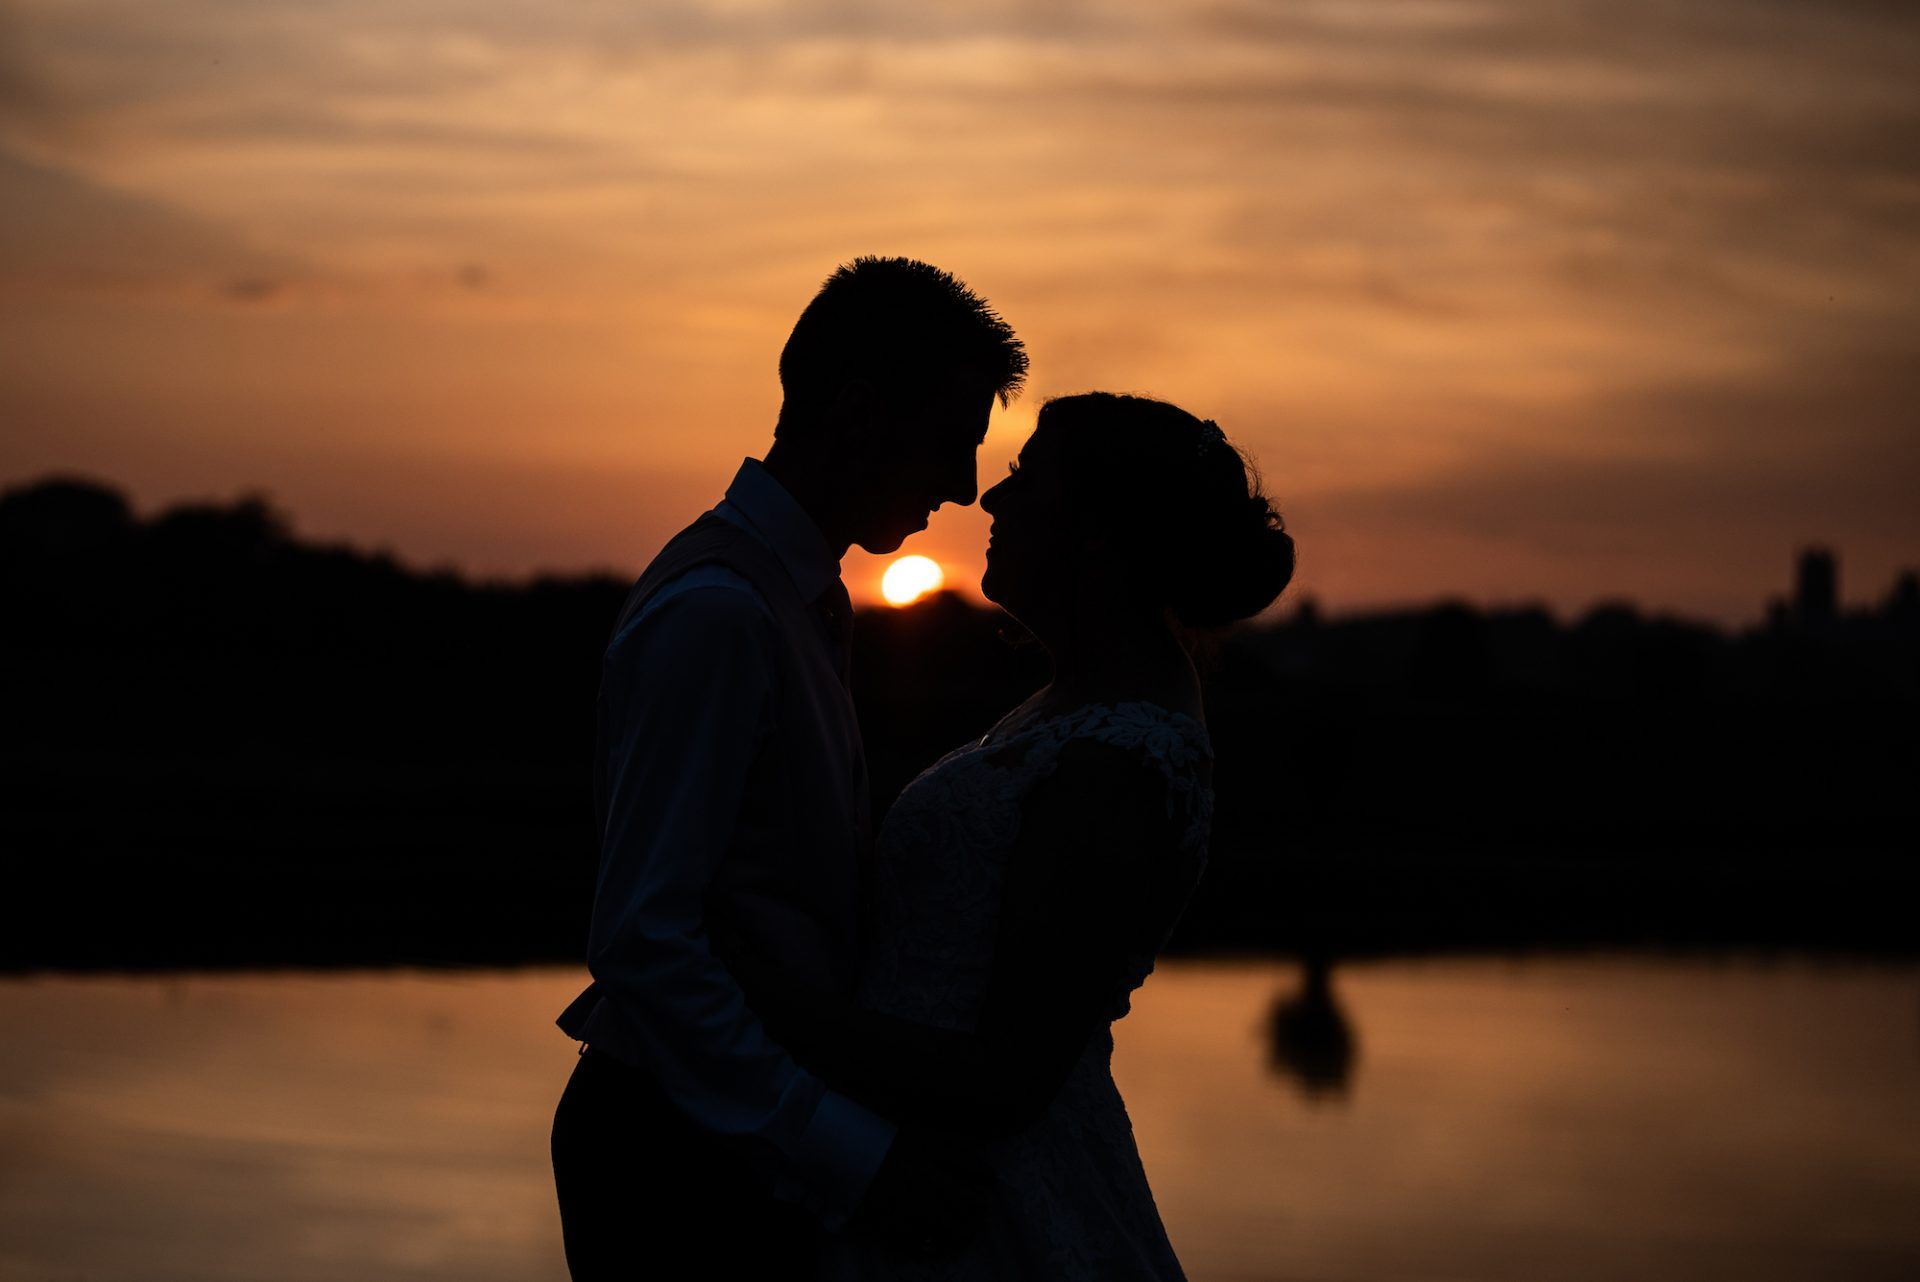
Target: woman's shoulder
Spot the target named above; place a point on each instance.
(1146, 724)
(1113, 758)
(1131, 778)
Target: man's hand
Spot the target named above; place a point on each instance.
(929, 1195)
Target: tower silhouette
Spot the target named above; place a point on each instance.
(1816, 588)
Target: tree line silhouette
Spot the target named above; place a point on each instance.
(225, 745)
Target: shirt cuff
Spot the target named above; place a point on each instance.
(837, 1154)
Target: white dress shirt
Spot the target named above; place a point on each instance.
(689, 686)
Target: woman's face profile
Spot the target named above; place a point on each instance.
(1031, 545)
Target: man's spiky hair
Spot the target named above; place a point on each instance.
(897, 323)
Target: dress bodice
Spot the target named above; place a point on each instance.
(942, 854)
(1069, 1199)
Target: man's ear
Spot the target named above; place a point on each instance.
(854, 412)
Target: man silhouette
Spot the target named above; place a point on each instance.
(732, 796)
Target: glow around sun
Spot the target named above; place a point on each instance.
(910, 578)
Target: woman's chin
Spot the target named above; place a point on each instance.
(994, 587)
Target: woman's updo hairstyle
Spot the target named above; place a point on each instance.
(1178, 500)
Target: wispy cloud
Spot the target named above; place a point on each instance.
(1430, 261)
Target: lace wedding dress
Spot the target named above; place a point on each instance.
(1069, 1199)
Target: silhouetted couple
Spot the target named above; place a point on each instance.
(812, 1052)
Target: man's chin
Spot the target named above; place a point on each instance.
(882, 544)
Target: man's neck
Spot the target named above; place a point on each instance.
(811, 487)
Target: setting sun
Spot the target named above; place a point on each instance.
(910, 578)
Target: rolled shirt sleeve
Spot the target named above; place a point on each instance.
(688, 691)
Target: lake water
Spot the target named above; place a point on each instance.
(1589, 1118)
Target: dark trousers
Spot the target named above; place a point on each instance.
(644, 1194)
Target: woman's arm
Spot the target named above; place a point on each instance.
(895, 1066)
(1079, 901)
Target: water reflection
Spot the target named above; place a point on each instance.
(1310, 1038)
(1553, 1120)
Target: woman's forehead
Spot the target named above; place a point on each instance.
(1046, 441)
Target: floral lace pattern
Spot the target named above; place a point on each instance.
(1071, 1198)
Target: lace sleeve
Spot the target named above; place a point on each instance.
(1083, 899)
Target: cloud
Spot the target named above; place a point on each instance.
(253, 289)
(1486, 273)
(1697, 491)
(60, 230)
(26, 101)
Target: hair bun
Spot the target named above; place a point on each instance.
(1183, 503)
(1236, 570)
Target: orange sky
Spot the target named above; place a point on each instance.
(1510, 300)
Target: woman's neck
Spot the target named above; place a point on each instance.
(1113, 659)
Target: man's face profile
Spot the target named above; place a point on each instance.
(920, 452)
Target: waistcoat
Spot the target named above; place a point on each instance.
(790, 880)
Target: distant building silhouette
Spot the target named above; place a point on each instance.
(1903, 603)
(1813, 611)
(1816, 588)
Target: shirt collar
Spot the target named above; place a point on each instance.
(762, 506)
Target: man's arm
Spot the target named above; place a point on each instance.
(687, 691)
